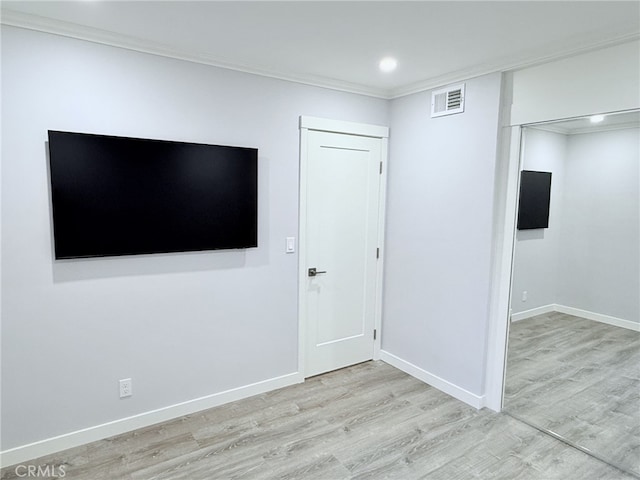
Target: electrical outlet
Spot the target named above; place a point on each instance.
(524, 296)
(126, 388)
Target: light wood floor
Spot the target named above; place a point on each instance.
(579, 379)
(369, 421)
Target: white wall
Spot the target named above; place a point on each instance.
(537, 251)
(439, 234)
(605, 80)
(600, 250)
(182, 326)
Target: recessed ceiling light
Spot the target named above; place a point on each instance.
(597, 118)
(388, 64)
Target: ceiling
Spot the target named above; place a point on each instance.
(339, 44)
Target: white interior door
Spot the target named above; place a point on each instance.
(341, 222)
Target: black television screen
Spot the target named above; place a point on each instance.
(535, 196)
(126, 196)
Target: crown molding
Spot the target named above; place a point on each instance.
(104, 37)
(584, 130)
(533, 59)
(549, 128)
(604, 128)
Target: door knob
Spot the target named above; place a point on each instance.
(313, 272)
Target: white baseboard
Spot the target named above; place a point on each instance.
(117, 427)
(515, 317)
(599, 317)
(596, 317)
(433, 380)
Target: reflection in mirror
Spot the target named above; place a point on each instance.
(573, 361)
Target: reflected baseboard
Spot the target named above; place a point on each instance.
(576, 312)
(516, 317)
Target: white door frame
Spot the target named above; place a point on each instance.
(500, 300)
(349, 128)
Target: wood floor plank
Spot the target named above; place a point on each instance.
(369, 421)
(580, 379)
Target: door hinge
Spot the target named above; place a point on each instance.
(375, 333)
(377, 252)
(380, 168)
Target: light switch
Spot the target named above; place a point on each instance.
(291, 245)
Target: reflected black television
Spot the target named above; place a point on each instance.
(126, 196)
(535, 197)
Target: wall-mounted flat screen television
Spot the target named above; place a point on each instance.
(127, 196)
(535, 197)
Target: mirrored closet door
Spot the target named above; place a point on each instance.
(573, 361)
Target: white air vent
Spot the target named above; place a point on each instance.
(447, 101)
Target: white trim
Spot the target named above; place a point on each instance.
(104, 37)
(382, 207)
(516, 317)
(95, 35)
(500, 297)
(585, 130)
(441, 384)
(577, 312)
(307, 123)
(550, 127)
(506, 65)
(1, 290)
(98, 432)
(599, 317)
(302, 250)
(604, 128)
(339, 126)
